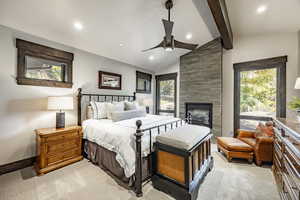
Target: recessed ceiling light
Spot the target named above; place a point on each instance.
(189, 36)
(151, 57)
(78, 26)
(261, 9)
(121, 45)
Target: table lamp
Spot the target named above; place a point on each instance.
(148, 103)
(60, 104)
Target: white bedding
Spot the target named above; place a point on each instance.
(119, 136)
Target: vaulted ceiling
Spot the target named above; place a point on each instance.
(118, 29)
(252, 17)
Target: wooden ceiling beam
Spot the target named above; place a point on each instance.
(219, 11)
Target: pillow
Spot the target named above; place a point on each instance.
(264, 131)
(99, 109)
(129, 114)
(114, 107)
(131, 105)
(89, 112)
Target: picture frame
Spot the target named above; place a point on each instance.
(109, 80)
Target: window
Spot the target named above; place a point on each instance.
(43, 66)
(259, 92)
(37, 68)
(143, 82)
(166, 89)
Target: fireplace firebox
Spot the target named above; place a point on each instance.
(201, 113)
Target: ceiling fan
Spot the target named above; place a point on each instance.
(169, 43)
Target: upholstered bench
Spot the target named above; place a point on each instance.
(235, 148)
(182, 159)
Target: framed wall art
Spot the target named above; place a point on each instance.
(108, 80)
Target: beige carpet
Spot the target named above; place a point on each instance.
(231, 181)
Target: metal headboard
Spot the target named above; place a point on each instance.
(99, 98)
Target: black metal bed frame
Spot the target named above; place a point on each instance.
(138, 134)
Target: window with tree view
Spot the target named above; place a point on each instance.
(37, 68)
(257, 96)
(166, 94)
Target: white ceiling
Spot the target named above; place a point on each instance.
(107, 23)
(280, 16)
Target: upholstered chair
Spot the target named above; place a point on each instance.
(262, 145)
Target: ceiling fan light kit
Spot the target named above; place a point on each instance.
(169, 43)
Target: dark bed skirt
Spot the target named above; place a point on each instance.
(106, 160)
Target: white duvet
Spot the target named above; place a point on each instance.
(119, 136)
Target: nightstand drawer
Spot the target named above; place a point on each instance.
(54, 147)
(59, 157)
(63, 136)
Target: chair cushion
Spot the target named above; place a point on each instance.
(184, 137)
(250, 141)
(234, 144)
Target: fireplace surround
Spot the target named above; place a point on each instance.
(201, 113)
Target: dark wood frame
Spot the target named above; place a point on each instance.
(146, 76)
(110, 74)
(138, 133)
(171, 76)
(277, 62)
(26, 48)
(219, 11)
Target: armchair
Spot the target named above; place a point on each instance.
(263, 146)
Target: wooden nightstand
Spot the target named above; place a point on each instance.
(57, 148)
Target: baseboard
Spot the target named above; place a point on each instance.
(14, 166)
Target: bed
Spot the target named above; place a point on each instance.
(125, 148)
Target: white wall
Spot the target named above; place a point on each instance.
(23, 108)
(252, 48)
(172, 69)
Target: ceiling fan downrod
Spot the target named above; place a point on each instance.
(169, 6)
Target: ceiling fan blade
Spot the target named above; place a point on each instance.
(157, 46)
(168, 25)
(183, 45)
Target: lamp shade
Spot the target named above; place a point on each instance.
(297, 84)
(60, 103)
(147, 102)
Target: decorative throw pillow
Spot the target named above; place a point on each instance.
(268, 129)
(258, 130)
(99, 110)
(128, 114)
(131, 105)
(264, 131)
(114, 107)
(89, 112)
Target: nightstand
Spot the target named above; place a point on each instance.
(57, 148)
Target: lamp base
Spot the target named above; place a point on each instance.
(60, 120)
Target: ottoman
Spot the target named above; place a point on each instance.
(235, 148)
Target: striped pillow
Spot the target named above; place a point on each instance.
(99, 109)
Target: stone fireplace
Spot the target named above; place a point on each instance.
(201, 85)
(201, 113)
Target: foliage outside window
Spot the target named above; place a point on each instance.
(143, 82)
(42, 69)
(258, 92)
(167, 93)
